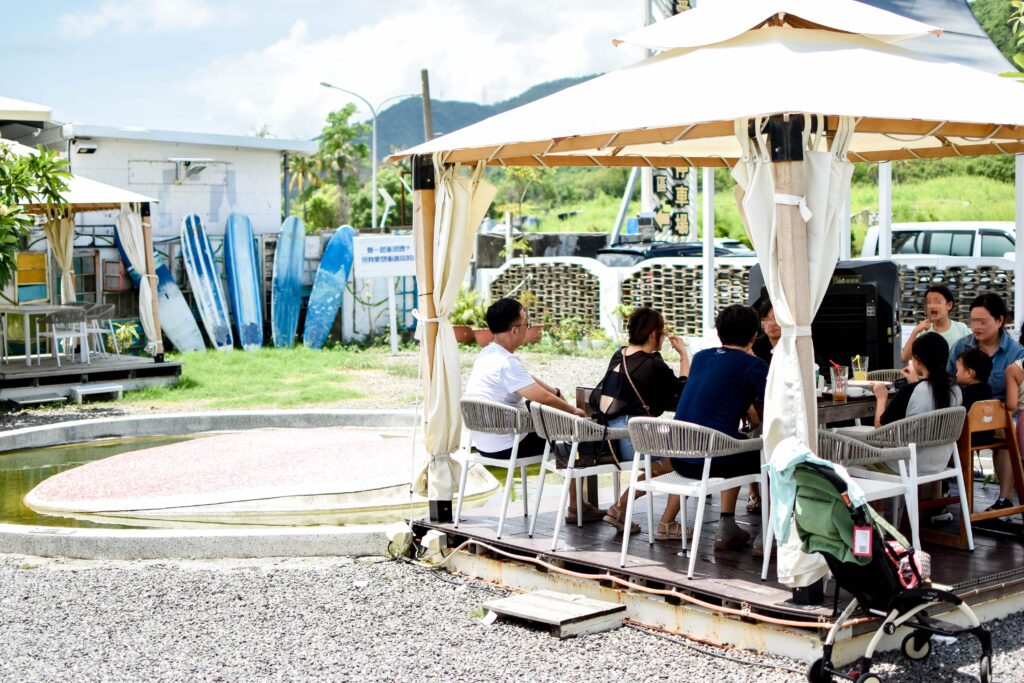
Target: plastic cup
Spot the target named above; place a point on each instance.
(860, 367)
(840, 377)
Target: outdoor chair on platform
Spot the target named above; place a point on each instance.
(986, 416)
(99, 322)
(934, 428)
(887, 375)
(554, 425)
(658, 438)
(853, 454)
(65, 327)
(492, 417)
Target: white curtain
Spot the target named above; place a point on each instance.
(129, 231)
(461, 203)
(60, 233)
(827, 177)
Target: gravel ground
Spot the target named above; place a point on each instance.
(384, 390)
(338, 619)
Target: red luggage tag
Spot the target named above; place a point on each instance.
(862, 536)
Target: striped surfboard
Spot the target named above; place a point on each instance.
(204, 277)
(243, 281)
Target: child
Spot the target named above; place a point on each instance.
(973, 367)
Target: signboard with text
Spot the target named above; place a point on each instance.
(388, 256)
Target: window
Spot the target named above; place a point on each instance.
(85, 276)
(30, 278)
(995, 244)
(948, 243)
(908, 242)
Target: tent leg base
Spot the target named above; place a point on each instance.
(440, 510)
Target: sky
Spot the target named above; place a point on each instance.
(233, 66)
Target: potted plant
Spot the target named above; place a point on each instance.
(598, 338)
(572, 332)
(466, 314)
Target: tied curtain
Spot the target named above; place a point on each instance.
(788, 409)
(60, 233)
(129, 231)
(461, 203)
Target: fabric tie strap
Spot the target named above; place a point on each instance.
(797, 331)
(420, 318)
(794, 200)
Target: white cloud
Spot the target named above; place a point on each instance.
(500, 48)
(151, 15)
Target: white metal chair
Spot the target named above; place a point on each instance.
(496, 418)
(99, 322)
(555, 425)
(66, 326)
(659, 438)
(935, 428)
(852, 455)
(885, 375)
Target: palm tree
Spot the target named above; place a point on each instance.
(341, 153)
(304, 172)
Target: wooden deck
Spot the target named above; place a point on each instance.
(730, 578)
(18, 379)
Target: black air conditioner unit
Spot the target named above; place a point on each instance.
(859, 314)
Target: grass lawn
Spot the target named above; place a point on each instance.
(279, 378)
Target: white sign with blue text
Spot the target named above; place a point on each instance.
(386, 256)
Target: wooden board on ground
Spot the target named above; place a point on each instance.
(567, 615)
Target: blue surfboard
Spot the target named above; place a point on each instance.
(176, 319)
(286, 290)
(329, 287)
(243, 281)
(204, 277)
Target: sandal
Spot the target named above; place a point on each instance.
(612, 517)
(754, 504)
(673, 531)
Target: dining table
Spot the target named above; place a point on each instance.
(26, 311)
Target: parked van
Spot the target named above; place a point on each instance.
(954, 238)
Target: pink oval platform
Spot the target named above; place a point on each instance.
(261, 471)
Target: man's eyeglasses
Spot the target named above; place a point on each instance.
(527, 325)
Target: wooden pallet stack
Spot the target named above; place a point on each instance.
(562, 290)
(966, 282)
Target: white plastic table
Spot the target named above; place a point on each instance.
(26, 310)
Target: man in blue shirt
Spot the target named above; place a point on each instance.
(722, 385)
(988, 315)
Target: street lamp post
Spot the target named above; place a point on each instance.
(373, 142)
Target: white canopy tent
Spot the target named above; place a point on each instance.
(84, 194)
(751, 68)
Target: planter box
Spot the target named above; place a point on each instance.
(464, 334)
(534, 334)
(483, 336)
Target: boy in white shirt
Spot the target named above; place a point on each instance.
(938, 302)
(498, 375)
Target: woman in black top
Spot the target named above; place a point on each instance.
(638, 382)
(765, 343)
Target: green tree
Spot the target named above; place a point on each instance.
(522, 178)
(38, 178)
(303, 177)
(319, 210)
(341, 154)
(388, 178)
(994, 17)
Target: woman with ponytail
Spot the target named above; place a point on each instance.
(930, 388)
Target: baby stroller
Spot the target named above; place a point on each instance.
(885, 577)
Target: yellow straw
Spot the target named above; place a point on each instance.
(856, 362)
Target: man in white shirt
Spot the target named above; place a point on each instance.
(498, 375)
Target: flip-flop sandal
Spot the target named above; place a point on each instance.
(754, 505)
(610, 518)
(670, 532)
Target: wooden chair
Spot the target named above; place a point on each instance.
(655, 437)
(496, 418)
(987, 416)
(935, 428)
(555, 425)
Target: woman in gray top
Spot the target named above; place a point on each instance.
(930, 388)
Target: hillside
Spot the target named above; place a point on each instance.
(401, 125)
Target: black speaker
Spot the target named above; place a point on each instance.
(859, 314)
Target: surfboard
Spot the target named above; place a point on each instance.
(176, 319)
(329, 287)
(204, 277)
(286, 289)
(243, 281)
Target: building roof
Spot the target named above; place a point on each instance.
(88, 131)
(21, 111)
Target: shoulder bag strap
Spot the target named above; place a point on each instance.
(643, 403)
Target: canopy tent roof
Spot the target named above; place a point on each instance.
(84, 194)
(906, 104)
(22, 112)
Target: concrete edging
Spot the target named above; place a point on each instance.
(135, 544)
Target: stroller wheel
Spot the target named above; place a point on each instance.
(868, 678)
(985, 669)
(911, 651)
(817, 674)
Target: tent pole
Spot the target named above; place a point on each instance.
(708, 233)
(147, 244)
(884, 249)
(1018, 274)
(788, 176)
(423, 186)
